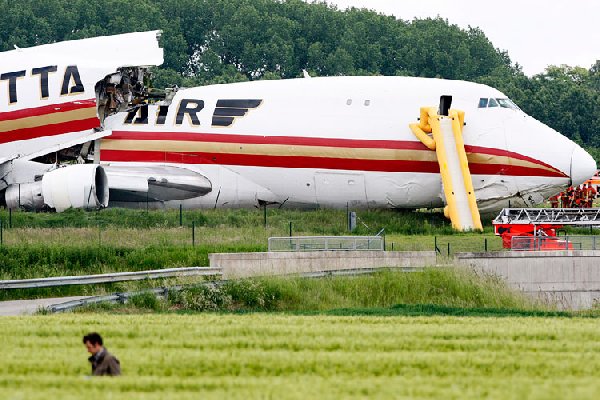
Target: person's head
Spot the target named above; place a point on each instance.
(93, 342)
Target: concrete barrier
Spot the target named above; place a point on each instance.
(571, 279)
(239, 265)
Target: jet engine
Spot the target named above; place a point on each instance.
(75, 186)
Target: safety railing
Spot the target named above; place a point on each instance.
(549, 243)
(326, 243)
(107, 278)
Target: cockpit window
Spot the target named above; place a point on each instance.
(504, 103)
(507, 103)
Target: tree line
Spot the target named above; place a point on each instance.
(223, 41)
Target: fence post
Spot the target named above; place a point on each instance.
(448, 249)
(485, 245)
(180, 215)
(193, 233)
(348, 217)
(290, 228)
(265, 215)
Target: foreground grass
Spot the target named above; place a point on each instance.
(297, 357)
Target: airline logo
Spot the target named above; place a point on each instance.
(228, 110)
(48, 119)
(224, 115)
(71, 82)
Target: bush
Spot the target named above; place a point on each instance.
(147, 301)
(254, 294)
(202, 298)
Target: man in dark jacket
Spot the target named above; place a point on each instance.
(103, 363)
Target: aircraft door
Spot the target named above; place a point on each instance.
(337, 188)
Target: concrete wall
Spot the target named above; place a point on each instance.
(570, 279)
(238, 265)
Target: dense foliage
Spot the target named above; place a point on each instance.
(219, 41)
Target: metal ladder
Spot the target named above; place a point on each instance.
(558, 216)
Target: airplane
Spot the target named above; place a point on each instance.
(57, 96)
(336, 142)
(302, 143)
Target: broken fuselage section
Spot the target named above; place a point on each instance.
(57, 99)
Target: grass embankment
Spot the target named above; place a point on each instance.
(78, 243)
(251, 356)
(427, 291)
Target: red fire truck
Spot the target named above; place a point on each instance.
(536, 228)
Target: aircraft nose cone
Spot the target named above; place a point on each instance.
(583, 166)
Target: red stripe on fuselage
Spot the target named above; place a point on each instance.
(282, 140)
(45, 110)
(252, 160)
(506, 153)
(328, 142)
(49, 130)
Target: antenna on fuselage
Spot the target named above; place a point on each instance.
(445, 104)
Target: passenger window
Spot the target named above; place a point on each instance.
(493, 103)
(483, 103)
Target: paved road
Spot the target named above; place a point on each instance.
(23, 307)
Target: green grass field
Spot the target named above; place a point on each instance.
(439, 333)
(79, 243)
(297, 357)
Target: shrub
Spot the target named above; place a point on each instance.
(254, 293)
(202, 298)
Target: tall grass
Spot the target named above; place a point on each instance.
(23, 262)
(444, 287)
(455, 287)
(320, 221)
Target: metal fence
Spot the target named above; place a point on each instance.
(326, 243)
(549, 243)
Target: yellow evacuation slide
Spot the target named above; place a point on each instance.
(447, 141)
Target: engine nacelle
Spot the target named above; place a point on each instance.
(76, 186)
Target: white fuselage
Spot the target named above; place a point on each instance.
(342, 140)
